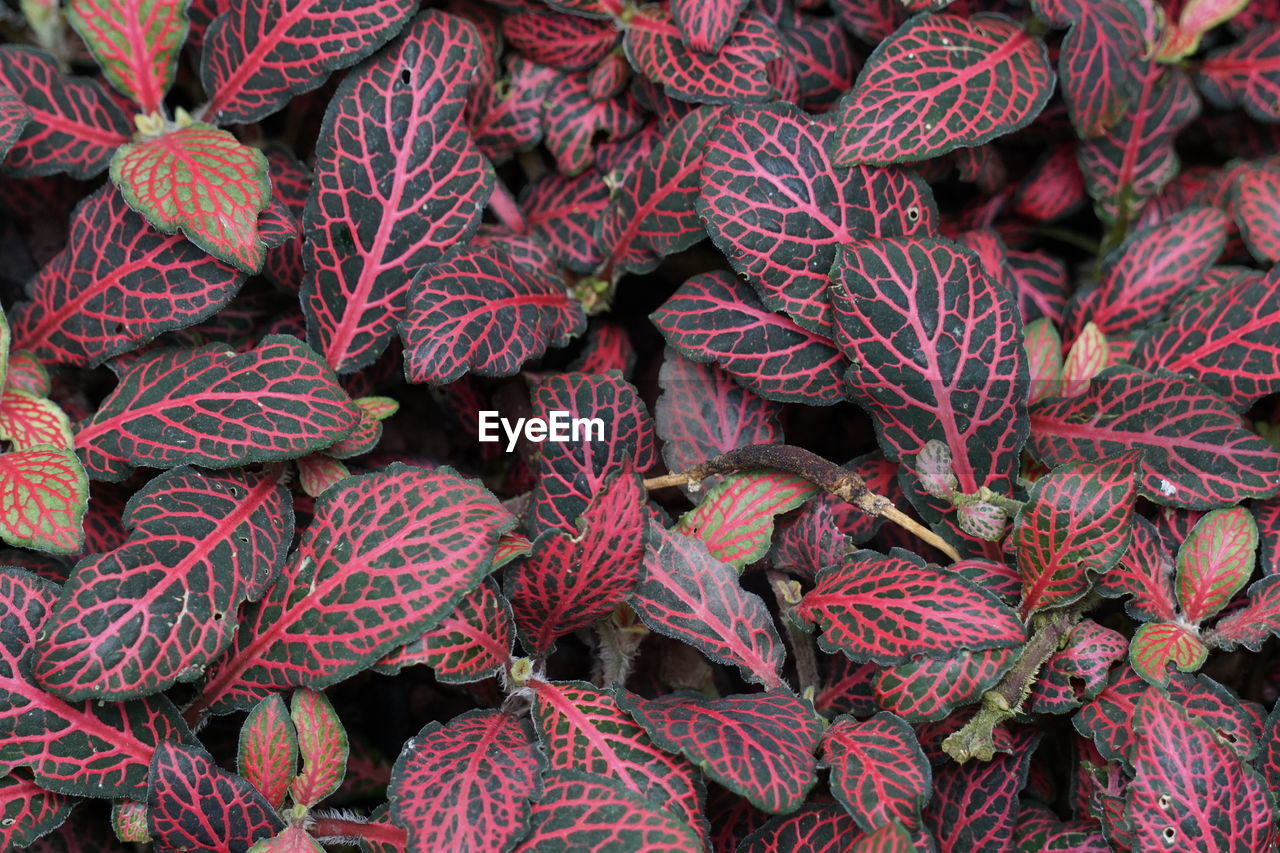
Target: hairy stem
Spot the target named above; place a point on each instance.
(826, 475)
(336, 829)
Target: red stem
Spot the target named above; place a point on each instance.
(504, 206)
(336, 827)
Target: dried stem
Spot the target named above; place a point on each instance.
(787, 592)
(827, 475)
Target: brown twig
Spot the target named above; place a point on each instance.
(826, 475)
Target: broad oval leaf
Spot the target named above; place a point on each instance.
(212, 407)
(1215, 562)
(927, 688)
(398, 181)
(1075, 522)
(758, 745)
(267, 754)
(473, 642)
(467, 785)
(136, 43)
(878, 771)
(705, 24)
(45, 496)
(201, 180)
(387, 556)
(778, 208)
(688, 594)
(888, 609)
(735, 519)
(1155, 645)
(925, 90)
(257, 57)
(162, 606)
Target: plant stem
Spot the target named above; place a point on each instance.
(830, 477)
(504, 206)
(787, 592)
(334, 829)
(1004, 701)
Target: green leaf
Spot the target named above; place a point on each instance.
(1158, 644)
(136, 42)
(45, 495)
(1215, 562)
(735, 519)
(322, 741)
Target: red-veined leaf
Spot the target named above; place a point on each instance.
(43, 497)
(702, 413)
(587, 814)
(398, 181)
(116, 285)
(585, 729)
(1155, 645)
(387, 557)
(1044, 358)
(975, 804)
(203, 181)
(714, 317)
(28, 421)
(1075, 522)
(75, 124)
(1054, 188)
(136, 43)
(256, 58)
(813, 829)
(571, 473)
(1253, 623)
(477, 311)
(925, 90)
(812, 540)
(565, 212)
(293, 839)
(735, 73)
(1040, 830)
(571, 42)
(14, 116)
(1144, 572)
(1195, 453)
(473, 642)
(162, 606)
(28, 811)
(96, 749)
(290, 185)
(322, 745)
(267, 755)
(1246, 74)
(572, 581)
(192, 804)
(888, 609)
(929, 688)
(823, 58)
(1256, 207)
(574, 121)
(506, 117)
(878, 772)
(705, 25)
(212, 407)
(735, 518)
(758, 745)
(467, 785)
(25, 373)
(1189, 791)
(779, 209)
(1088, 357)
(319, 472)
(688, 594)
(1215, 562)
(1077, 672)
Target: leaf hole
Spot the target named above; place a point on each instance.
(218, 616)
(244, 539)
(1164, 802)
(405, 76)
(1229, 737)
(913, 213)
(1169, 835)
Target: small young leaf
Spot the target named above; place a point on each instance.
(268, 750)
(45, 496)
(1155, 645)
(136, 43)
(322, 744)
(1215, 562)
(735, 519)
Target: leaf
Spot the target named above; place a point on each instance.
(75, 124)
(211, 407)
(45, 494)
(715, 318)
(192, 804)
(322, 744)
(574, 121)
(256, 58)
(926, 688)
(705, 26)
(1215, 562)
(758, 745)
(1039, 829)
(202, 180)
(1256, 206)
(1155, 645)
(652, 212)
(583, 729)
(688, 594)
(1195, 454)
(1075, 521)
(294, 839)
(778, 208)
(386, 557)
(1088, 357)
(1145, 572)
(1188, 790)
(813, 829)
(117, 284)
(1077, 672)
(1253, 623)
(28, 421)
(735, 73)
(467, 785)
(1135, 159)
(735, 519)
(268, 751)
(473, 642)
(878, 771)
(14, 116)
(1044, 359)
(28, 811)
(923, 91)
(974, 804)
(1244, 74)
(398, 181)
(135, 42)
(477, 311)
(570, 473)
(582, 812)
(572, 581)
(888, 609)
(162, 606)
(702, 413)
